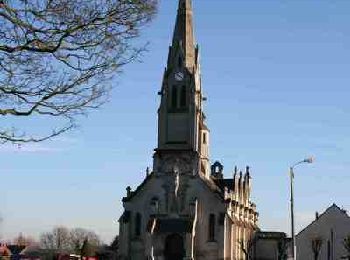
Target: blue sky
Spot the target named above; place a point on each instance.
(276, 74)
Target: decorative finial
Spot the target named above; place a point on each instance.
(128, 191)
(247, 172)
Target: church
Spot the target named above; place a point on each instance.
(185, 208)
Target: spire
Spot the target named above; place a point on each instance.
(181, 123)
(183, 33)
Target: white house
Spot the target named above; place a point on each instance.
(330, 228)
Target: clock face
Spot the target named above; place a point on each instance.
(179, 76)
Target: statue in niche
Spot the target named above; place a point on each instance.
(174, 208)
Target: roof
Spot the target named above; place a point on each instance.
(270, 235)
(225, 183)
(328, 210)
(133, 193)
(4, 251)
(15, 249)
(32, 251)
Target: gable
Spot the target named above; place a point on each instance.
(331, 217)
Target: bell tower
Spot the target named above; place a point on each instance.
(181, 126)
(185, 209)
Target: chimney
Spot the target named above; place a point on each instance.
(317, 215)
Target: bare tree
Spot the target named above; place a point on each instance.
(88, 249)
(247, 248)
(58, 239)
(79, 235)
(282, 249)
(68, 240)
(57, 57)
(346, 244)
(316, 244)
(22, 240)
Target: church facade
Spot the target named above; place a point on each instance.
(185, 208)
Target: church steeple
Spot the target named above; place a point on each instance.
(181, 126)
(183, 33)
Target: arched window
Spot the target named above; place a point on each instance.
(155, 205)
(174, 98)
(138, 223)
(183, 99)
(211, 231)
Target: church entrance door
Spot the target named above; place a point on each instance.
(174, 247)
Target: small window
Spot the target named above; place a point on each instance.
(183, 97)
(138, 223)
(155, 205)
(211, 231)
(204, 138)
(174, 97)
(179, 62)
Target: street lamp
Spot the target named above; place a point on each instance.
(291, 174)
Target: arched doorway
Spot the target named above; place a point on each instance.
(174, 247)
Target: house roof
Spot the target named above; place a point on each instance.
(32, 251)
(4, 251)
(15, 249)
(328, 210)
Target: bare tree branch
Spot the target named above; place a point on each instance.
(346, 243)
(57, 57)
(316, 244)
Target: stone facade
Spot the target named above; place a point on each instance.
(271, 246)
(330, 227)
(185, 208)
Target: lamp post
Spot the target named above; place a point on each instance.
(291, 174)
